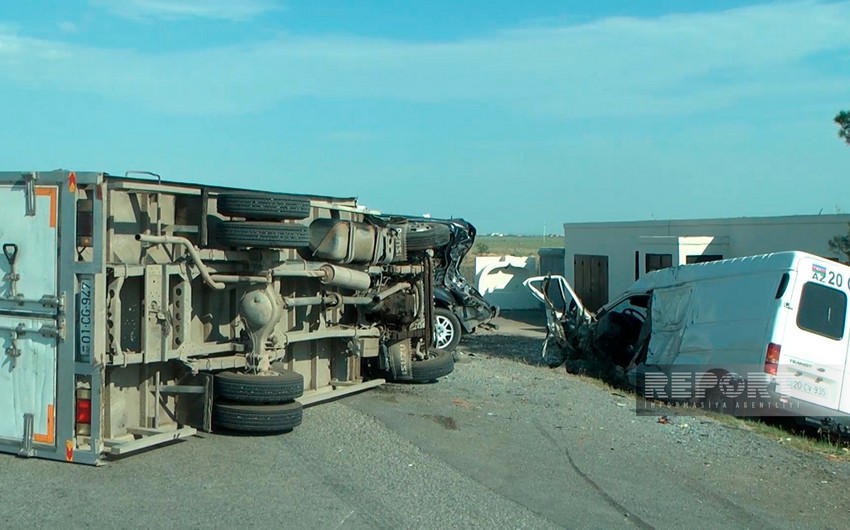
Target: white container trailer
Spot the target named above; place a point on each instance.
(135, 311)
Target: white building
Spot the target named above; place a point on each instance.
(603, 259)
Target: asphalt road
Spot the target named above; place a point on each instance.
(500, 443)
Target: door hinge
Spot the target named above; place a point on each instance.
(28, 436)
(30, 179)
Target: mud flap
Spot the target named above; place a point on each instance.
(400, 360)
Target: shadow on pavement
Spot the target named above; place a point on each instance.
(519, 337)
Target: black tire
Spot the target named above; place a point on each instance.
(447, 329)
(717, 401)
(441, 363)
(262, 235)
(261, 419)
(422, 236)
(250, 388)
(263, 207)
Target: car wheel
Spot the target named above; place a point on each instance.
(262, 235)
(447, 329)
(263, 207)
(250, 388)
(422, 236)
(260, 419)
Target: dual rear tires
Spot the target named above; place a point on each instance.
(258, 404)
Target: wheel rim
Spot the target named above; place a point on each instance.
(445, 331)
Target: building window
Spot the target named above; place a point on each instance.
(658, 261)
(822, 310)
(703, 258)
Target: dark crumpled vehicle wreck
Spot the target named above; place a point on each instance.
(459, 308)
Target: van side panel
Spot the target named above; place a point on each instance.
(728, 321)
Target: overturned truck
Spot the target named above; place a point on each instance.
(137, 311)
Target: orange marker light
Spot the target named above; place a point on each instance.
(72, 182)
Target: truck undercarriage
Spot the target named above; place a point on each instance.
(176, 307)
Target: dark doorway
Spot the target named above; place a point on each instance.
(591, 280)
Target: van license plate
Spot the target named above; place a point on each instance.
(815, 390)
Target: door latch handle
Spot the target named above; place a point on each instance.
(10, 250)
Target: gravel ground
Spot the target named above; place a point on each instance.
(500, 443)
(573, 450)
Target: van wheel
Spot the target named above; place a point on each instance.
(262, 235)
(261, 419)
(250, 388)
(422, 236)
(716, 400)
(446, 328)
(263, 207)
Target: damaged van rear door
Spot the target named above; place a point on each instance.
(811, 337)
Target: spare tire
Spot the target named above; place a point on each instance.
(250, 388)
(423, 235)
(262, 235)
(257, 418)
(263, 207)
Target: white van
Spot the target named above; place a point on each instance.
(779, 321)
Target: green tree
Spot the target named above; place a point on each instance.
(840, 245)
(843, 121)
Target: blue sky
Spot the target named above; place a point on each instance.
(514, 115)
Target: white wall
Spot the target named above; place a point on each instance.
(499, 279)
(730, 237)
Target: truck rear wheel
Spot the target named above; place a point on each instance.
(257, 418)
(263, 207)
(249, 388)
(262, 235)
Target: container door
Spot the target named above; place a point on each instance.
(29, 312)
(814, 344)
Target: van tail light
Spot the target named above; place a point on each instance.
(771, 360)
(82, 413)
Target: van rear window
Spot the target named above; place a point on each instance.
(822, 310)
